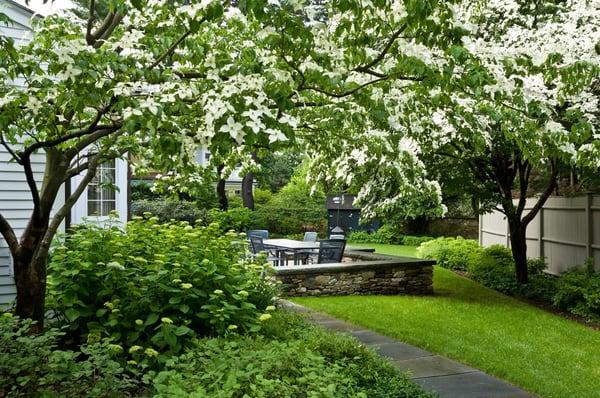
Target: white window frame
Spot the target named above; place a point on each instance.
(79, 212)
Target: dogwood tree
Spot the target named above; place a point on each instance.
(157, 79)
(521, 100)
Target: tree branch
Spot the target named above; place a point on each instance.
(366, 68)
(91, 138)
(545, 195)
(107, 28)
(9, 149)
(33, 188)
(60, 215)
(174, 45)
(91, 18)
(9, 235)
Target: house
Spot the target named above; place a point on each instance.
(15, 199)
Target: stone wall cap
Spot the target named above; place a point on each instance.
(371, 261)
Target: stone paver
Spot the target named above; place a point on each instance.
(471, 385)
(430, 366)
(450, 379)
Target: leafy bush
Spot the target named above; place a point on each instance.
(143, 190)
(293, 209)
(386, 235)
(410, 240)
(237, 219)
(167, 210)
(452, 253)
(262, 196)
(31, 365)
(291, 359)
(494, 267)
(578, 291)
(153, 287)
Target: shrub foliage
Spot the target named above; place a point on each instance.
(152, 287)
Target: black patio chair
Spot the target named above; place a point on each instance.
(303, 255)
(257, 246)
(261, 233)
(331, 251)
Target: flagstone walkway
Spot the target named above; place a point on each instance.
(450, 379)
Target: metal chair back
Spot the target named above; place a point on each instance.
(310, 236)
(337, 237)
(256, 244)
(331, 251)
(261, 233)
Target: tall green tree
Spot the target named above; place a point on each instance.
(156, 79)
(521, 99)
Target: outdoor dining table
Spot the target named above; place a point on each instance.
(283, 246)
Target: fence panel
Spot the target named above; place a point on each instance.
(566, 231)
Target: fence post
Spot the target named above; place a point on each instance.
(507, 232)
(541, 231)
(589, 225)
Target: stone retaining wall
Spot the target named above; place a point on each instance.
(371, 274)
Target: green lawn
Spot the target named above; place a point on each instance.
(395, 250)
(538, 351)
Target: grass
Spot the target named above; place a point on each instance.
(531, 348)
(395, 250)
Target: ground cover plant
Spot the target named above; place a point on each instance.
(289, 359)
(536, 350)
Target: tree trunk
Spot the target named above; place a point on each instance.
(247, 187)
(221, 193)
(247, 191)
(30, 279)
(518, 246)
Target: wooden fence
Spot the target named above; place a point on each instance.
(566, 231)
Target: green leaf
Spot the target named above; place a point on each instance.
(152, 318)
(72, 314)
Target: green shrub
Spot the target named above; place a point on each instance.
(31, 365)
(167, 210)
(578, 291)
(292, 210)
(452, 253)
(234, 219)
(153, 287)
(291, 359)
(262, 196)
(410, 240)
(385, 235)
(143, 190)
(494, 267)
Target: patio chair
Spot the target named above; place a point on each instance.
(310, 236)
(331, 251)
(304, 254)
(338, 237)
(261, 233)
(257, 246)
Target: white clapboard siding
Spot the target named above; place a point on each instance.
(16, 206)
(15, 197)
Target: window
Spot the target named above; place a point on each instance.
(238, 192)
(206, 155)
(101, 192)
